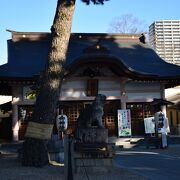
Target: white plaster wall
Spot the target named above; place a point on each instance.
(5, 99)
(145, 95)
(109, 84)
(147, 86)
(143, 90)
(78, 88)
(110, 93)
(73, 88)
(172, 92)
(109, 87)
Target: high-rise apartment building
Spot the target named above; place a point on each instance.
(164, 36)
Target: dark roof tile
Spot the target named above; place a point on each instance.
(27, 58)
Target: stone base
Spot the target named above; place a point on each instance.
(92, 135)
(92, 165)
(56, 156)
(56, 149)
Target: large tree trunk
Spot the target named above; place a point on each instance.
(34, 152)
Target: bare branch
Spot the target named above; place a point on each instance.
(127, 23)
(94, 1)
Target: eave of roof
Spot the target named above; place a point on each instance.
(28, 52)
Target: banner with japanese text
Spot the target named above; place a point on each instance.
(124, 122)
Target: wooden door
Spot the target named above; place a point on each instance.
(110, 116)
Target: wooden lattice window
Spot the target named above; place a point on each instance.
(72, 112)
(110, 116)
(92, 87)
(177, 117)
(139, 111)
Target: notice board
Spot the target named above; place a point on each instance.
(124, 122)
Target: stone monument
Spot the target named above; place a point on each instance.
(90, 128)
(91, 136)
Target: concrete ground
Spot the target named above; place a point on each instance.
(152, 163)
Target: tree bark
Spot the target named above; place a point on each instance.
(34, 152)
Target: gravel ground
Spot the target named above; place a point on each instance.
(111, 174)
(11, 169)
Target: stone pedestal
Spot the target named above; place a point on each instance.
(92, 165)
(56, 149)
(92, 135)
(92, 150)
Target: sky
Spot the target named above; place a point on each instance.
(38, 15)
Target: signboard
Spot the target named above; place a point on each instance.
(149, 125)
(29, 94)
(124, 122)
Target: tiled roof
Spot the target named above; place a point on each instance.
(28, 52)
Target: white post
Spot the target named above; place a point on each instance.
(123, 94)
(123, 101)
(163, 108)
(15, 124)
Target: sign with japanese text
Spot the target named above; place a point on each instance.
(124, 122)
(149, 125)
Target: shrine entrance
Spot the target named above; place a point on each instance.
(73, 109)
(139, 111)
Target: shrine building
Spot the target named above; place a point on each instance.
(122, 67)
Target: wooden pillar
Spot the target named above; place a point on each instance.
(163, 108)
(15, 124)
(123, 94)
(123, 100)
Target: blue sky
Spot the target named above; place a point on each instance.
(37, 16)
